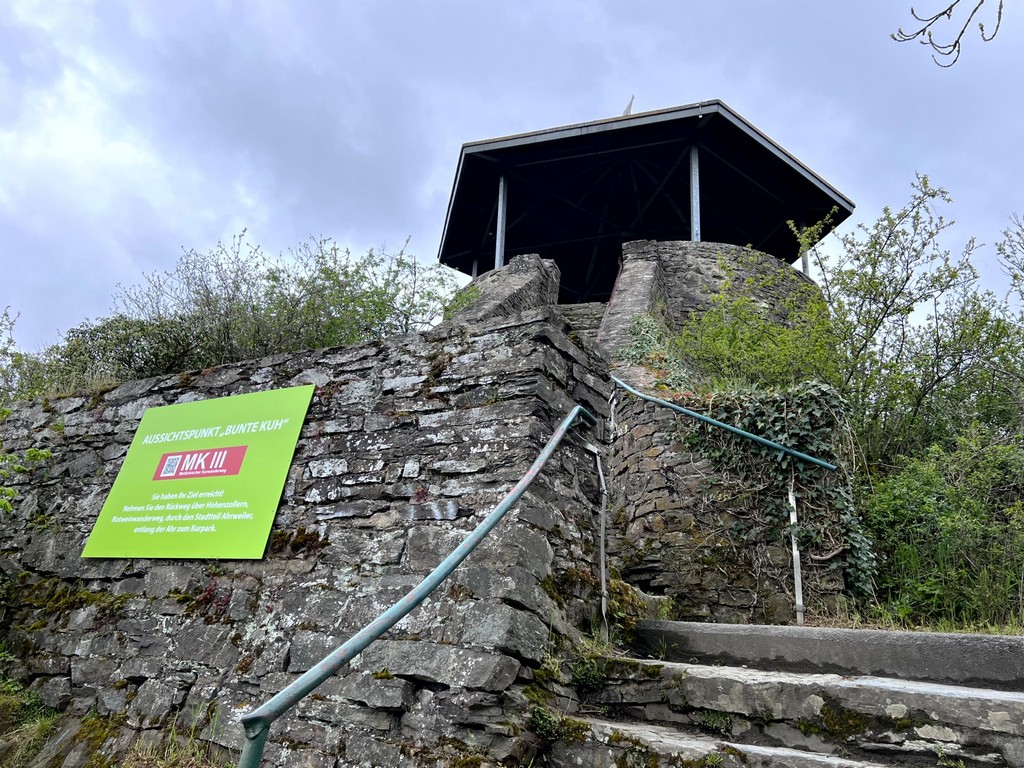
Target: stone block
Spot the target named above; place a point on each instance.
(207, 644)
(426, 546)
(510, 630)
(440, 664)
(307, 648)
(379, 692)
(54, 692)
(154, 703)
(515, 545)
(161, 580)
(367, 750)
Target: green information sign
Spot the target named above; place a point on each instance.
(202, 479)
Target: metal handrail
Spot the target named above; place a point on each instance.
(257, 723)
(728, 427)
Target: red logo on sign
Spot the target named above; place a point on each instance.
(215, 462)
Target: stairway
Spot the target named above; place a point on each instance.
(735, 695)
(584, 318)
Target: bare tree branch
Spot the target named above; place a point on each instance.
(950, 52)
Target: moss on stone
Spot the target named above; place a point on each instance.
(56, 599)
(842, 722)
(96, 731)
(715, 721)
(837, 723)
(300, 541)
(627, 607)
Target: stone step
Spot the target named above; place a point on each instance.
(985, 661)
(638, 745)
(585, 319)
(873, 717)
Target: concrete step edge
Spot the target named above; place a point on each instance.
(985, 661)
(818, 703)
(669, 742)
(753, 675)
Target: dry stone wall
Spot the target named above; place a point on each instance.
(677, 518)
(407, 444)
(686, 529)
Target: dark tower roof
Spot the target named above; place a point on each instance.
(577, 192)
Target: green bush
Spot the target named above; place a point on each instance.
(949, 531)
(740, 339)
(12, 464)
(234, 303)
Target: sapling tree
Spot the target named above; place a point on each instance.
(914, 330)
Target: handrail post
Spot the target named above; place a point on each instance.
(256, 733)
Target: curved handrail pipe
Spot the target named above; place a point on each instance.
(728, 427)
(257, 723)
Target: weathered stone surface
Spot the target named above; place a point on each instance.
(515, 586)
(839, 712)
(365, 750)
(987, 661)
(154, 702)
(54, 692)
(518, 633)
(408, 444)
(527, 282)
(639, 290)
(309, 647)
(675, 534)
(379, 692)
(615, 744)
(444, 664)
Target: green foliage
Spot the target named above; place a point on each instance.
(932, 372)
(718, 722)
(551, 726)
(587, 672)
(922, 350)
(18, 706)
(915, 353)
(12, 464)
(179, 748)
(949, 529)
(462, 299)
(626, 607)
(742, 338)
(899, 327)
(808, 419)
(234, 303)
(25, 723)
(655, 348)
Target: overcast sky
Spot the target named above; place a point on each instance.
(130, 129)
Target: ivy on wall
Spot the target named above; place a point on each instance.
(806, 417)
(12, 464)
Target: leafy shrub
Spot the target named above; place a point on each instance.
(25, 722)
(234, 303)
(12, 464)
(808, 418)
(741, 338)
(949, 529)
